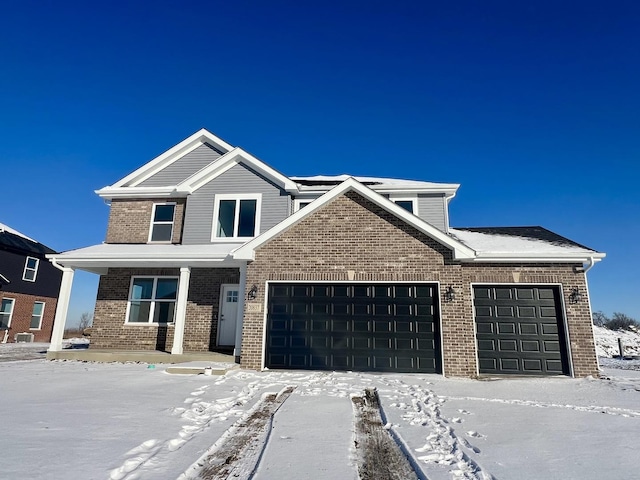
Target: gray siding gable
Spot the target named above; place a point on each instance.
(432, 209)
(198, 223)
(184, 167)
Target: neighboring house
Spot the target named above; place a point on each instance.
(29, 286)
(209, 248)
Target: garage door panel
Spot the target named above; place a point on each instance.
(532, 342)
(385, 327)
(506, 328)
(510, 365)
(361, 343)
(530, 346)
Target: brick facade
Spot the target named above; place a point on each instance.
(353, 239)
(203, 301)
(130, 220)
(21, 318)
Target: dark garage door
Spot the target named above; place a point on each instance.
(520, 330)
(365, 327)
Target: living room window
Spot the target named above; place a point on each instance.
(152, 300)
(36, 316)
(162, 218)
(30, 269)
(6, 311)
(236, 216)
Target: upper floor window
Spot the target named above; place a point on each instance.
(236, 216)
(36, 316)
(300, 203)
(162, 222)
(6, 311)
(410, 204)
(152, 299)
(30, 269)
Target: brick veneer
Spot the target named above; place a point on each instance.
(353, 239)
(130, 220)
(109, 328)
(21, 318)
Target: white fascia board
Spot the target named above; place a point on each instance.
(109, 193)
(247, 251)
(573, 257)
(230, 159)
(174, 153)
(384, 190)
(4, 279)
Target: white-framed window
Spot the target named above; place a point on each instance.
(299, 203)
(30, 269)
(162, 219)
(410, 204)
(36, 316)
(236, 216)
(6, 312)
(152, 299)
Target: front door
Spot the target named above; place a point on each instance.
(228, 317)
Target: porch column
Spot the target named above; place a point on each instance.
(240, 318)
(181, 310)
(62, 309)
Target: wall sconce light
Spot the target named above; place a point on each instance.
(449, 294)
(575, 296)
(253, 293)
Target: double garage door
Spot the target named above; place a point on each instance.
(396, 328)
(364, 327)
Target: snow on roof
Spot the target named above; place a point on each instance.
(517, 241)
(330, 180)
(6, 228)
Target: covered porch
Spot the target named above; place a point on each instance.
(168, 301)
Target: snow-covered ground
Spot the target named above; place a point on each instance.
(129, 421)
(607, 342)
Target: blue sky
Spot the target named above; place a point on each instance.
(533, 107)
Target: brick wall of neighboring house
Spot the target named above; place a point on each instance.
(21, 318)
(130, 220)
(353, 239)
(109, 328)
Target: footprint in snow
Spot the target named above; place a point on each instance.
(473, 433)
(464, 412)
(456, 420)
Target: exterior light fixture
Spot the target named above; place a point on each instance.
(449, 294)
(575, 296)
(253, 292)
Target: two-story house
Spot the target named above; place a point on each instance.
(208, 247)
(29, 287)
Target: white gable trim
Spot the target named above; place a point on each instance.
(247, 251)
(231, 159)
(189, 144)
(4, 279)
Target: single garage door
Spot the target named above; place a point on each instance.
(364, 327)
(520, 330)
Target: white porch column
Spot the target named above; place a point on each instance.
(181, 311)
(62, 309)
(240, 318)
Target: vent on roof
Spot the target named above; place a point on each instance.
(23, 337)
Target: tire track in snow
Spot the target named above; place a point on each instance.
(238, 451)
(200, 414)
(443, 447)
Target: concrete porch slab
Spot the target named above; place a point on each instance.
(90, 355)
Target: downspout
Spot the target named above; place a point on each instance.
(591, 263)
